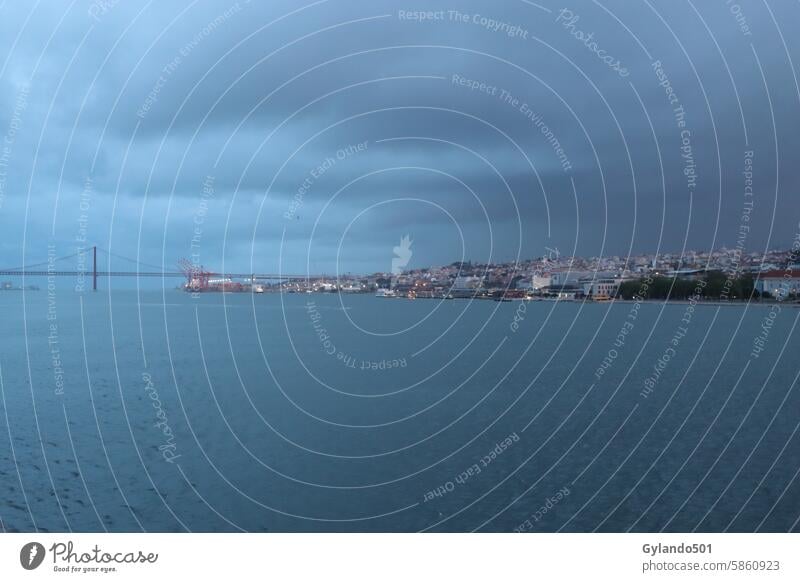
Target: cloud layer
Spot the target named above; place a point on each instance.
(487, 133)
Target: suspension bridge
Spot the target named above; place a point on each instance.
(197, 278)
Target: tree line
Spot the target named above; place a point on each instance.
(713, 285)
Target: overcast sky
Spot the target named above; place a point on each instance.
(232, 130)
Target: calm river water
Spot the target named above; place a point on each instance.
(157, 411)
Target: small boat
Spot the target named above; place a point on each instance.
(385, 293)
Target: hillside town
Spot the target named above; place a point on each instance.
(724, 274)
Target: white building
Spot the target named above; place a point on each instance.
(567, 277)
(540, 282)
(467, 282)
(601, 287)
(779, 283)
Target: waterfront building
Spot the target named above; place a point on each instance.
(539, 282)
(779, 283)
(467, 282)
(601, 286)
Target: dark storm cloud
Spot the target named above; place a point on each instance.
(147, 101)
